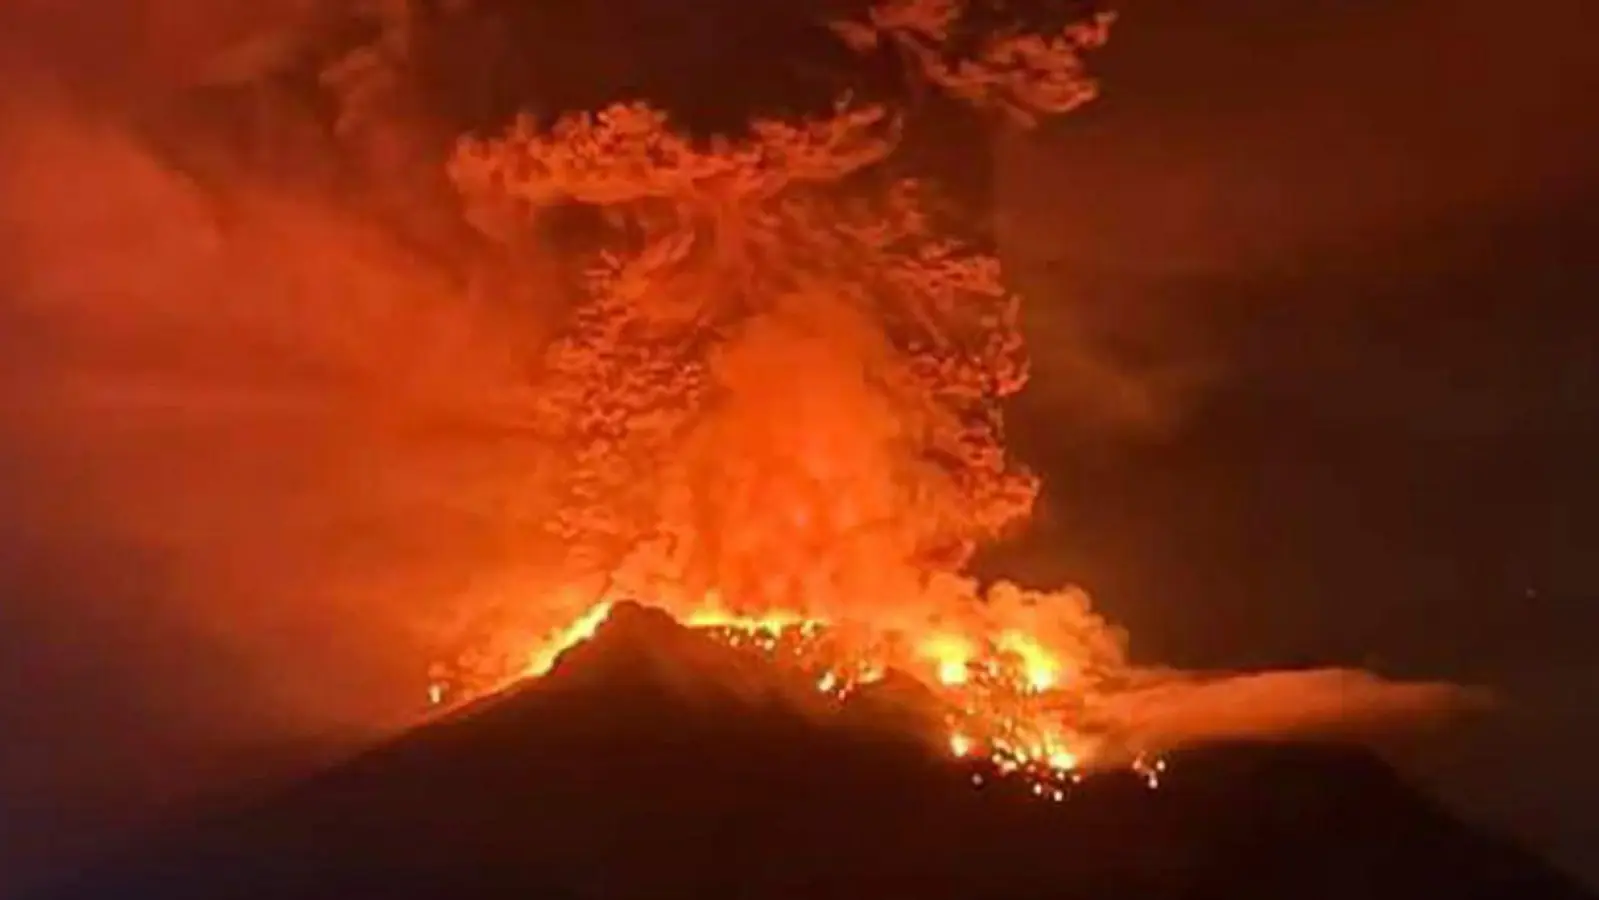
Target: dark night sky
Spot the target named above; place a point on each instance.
(1330, 263)
(1342, 257)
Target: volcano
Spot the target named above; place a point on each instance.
(653, 762)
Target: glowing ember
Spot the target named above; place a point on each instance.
(952, 655)
(564, 639)
(1041, 668)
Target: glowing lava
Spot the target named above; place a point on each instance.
(543, 658)
(1006, 697)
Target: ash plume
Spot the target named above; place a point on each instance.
(413, 376)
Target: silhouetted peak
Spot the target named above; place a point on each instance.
(640, 650)
(656, 761)
(897, 704)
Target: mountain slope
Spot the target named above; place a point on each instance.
(655, 763)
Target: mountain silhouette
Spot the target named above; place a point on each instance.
(654, 762)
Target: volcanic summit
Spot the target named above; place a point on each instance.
(654, 761)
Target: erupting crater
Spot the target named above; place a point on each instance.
(1004, 702)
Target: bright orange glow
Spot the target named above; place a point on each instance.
(1043, 669)
(542, 658)
(1003, 693)
(778, 413)
(952, 655)
(782, 424)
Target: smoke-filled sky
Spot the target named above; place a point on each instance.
(1351, 245)
(1328, 262)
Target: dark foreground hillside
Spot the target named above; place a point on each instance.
(654, 764)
